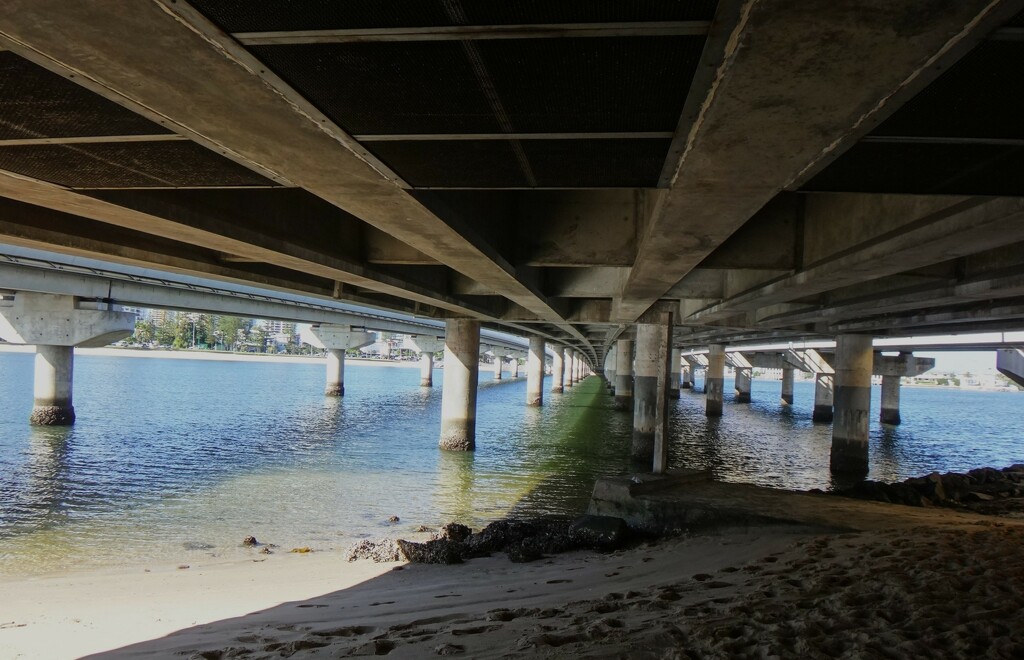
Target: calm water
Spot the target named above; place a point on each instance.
(175, 459)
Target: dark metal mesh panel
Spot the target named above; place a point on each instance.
(35, 103)
(588, 85)
(387, 87)
(596, 163)
(119, 165)
(285, 15)
(977, 97)
(545, 85)
(470, 163)
(925, 169)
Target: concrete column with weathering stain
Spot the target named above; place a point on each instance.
(499, 362)
(742, 384)
(687, 376)
(55, 324)
(426, 347)
(515, 366)
(337, 339)
(570, 367)
(854, 361)
(675, 367)
(823, 397)
(624, 374)
(651, 359)
(714, 380)
(535, 373)
(558, 370)
(890, 400)
(787, 386)
(458, 393)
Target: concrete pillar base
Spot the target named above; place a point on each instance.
(687, 385)
(890, 416)
(457, 439)
(334, 390)
(742, 397)
(623, 402)
(822, 414)
(52, 415)
(786, 399)
(673, 394)
(557, 389)
(849, 457)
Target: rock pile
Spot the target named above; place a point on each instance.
(984, 490)
(521, 540)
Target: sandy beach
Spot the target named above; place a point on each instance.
(930, 582)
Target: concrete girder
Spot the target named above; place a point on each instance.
(61, 320)
(955, 227)
(904, 364)
(424, 343)
(1010, 363)
(280, 134)
(753, 107)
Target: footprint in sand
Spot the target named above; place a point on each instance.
(310, 605)
(476, 630)
(447, 596)
(557, 581)
(347, 631)
(383, 602)
(612, 574)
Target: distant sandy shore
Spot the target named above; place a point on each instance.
(933, 584)
(220, 356)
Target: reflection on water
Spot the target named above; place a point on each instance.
(175, 458)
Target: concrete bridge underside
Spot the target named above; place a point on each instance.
(762, 170)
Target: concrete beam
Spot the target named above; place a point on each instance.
(1010, 363)
(752, 126)
(111, 51)
(60, 320)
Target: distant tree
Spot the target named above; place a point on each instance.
(145, 332)
(235, 330)
(166, 330)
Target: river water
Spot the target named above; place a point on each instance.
(177, 459)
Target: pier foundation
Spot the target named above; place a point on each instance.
(890, 400)
(742, 385)
(558, 370)
(624, 374)
(55, 324)
(823, 398)
(54, 371)
(787, 387)
(535, 373)
(426, 347)
(458, 395)
(687, 376)
(854, 361)
(674, 373)
(570, 367)
(714, 380)
(337, 339)
(498, 364)
(650, 388)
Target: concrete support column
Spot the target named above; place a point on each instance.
(823, 397)
(54, 371)
(336, 339)
(714, 380)
(651, 358)
(854, 360)
(675, 366)
(535, 373)
(570, 368)
(335, 372)
(426, 346)
(687, 374)
(515, 367)
(498, 363)
(624, 374)
(890, 400)
(458, 394)
(426, 369)
(787, 387)
(742, 384)
(558, 370)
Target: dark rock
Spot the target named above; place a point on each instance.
(599, 532)
(379, 551)
(250, 541)
(393, 519)
(523, 552)
(454, 532)
(977, 496)
(440, 551)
